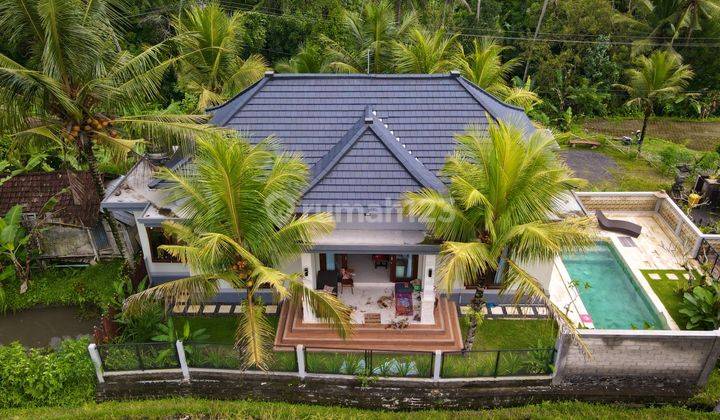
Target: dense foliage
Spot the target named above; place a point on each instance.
(84, 287)
(42, 377)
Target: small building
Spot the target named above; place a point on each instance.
(73, 230)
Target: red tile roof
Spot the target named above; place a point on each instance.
(77, 205)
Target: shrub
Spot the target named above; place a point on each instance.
(702, 307)
(92, 285)
(42, 377)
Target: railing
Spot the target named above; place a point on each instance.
(494, 363)
(114, 359)
(369, 363)
(708, 259)
(138, 356)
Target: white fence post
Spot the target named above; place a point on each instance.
(183, 360)
(95, 356)
(437, 367)
(300, 355)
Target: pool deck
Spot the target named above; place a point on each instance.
(655, 248)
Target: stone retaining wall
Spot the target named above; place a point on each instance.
(685, 357)
(386, 394)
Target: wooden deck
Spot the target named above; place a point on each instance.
(444, 335)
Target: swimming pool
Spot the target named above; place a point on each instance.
(609, 291)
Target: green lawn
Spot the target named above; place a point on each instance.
(198, 408)
(220, 328)
(513, 334)
(666, 290)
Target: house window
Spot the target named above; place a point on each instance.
(157, 237)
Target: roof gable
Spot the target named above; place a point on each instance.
(369, 167)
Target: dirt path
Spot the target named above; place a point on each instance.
(589, 164)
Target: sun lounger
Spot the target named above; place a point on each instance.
(620, 226)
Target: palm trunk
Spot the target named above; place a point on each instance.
(477, 11)
(100, 188)
(537, 31)
(476, 304)
(642, 132)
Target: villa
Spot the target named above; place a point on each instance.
(367, 140)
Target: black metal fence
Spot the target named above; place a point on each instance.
(494, 363)
(138, 356)
(708, 258)
(227, 356)
(369, 363)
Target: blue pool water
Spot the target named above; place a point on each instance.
(607, 288)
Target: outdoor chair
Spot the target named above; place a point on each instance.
(620, 226)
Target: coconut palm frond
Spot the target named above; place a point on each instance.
(461, 263)
(254, 336)
(525, 286)
(197, 288)
(442, 218)
(425, 52)
(325, 306)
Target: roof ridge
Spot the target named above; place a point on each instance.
(371, 122)
(495, 107)
(363, 75)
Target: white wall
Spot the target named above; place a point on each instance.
(155, 268)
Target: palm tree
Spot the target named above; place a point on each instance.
(310, 59)
(484, 67)
(238, 223)
(655, 80)
(76, 91)
(425, 53)
(668, 19)
(497, 215)
(212, 66)
(371, 35)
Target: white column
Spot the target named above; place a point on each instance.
(309, 271)
(427, 313)
(183, 360)
(95, 357)
(437, 366)
(300, 355)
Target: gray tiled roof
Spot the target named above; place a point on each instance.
(314, 114)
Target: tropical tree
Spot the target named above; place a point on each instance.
(238, 224)
(654, 81)
(666, 20)
(309, 59)
(371, 34)
(212, 67)
(484, 66)
(425, 52)
(497, 215)
(76, 91)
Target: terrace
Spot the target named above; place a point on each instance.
(667, 241)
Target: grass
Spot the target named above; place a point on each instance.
(666, 291)
(220, 329)
(512, 334)
(709, 396)
(92, 285)
(199, 408)
(695, 134)
(527, 346)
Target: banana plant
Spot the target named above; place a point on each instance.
(13, 249)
